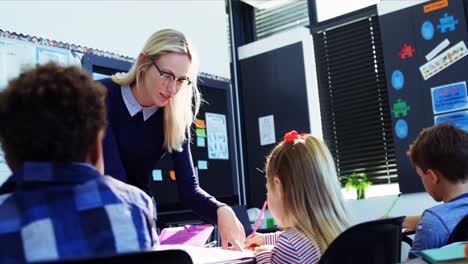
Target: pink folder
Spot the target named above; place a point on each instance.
(193, 235)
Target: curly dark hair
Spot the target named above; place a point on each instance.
(443, 148)
(51, 113)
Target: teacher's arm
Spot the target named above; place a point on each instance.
(112, 163)
(202, 203)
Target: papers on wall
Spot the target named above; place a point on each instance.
(449, 97)
(458, 119)
(48, 54)
(266, 126)
(217, 136)
(444, 60)
(17, 56)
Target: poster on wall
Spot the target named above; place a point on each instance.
(458, 119)
(450, 97)
(266, 125)
(46, 54)
(216, 133)
(15, 56)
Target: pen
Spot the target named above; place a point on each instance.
(391, 206)
(211, 244)
(258, 219)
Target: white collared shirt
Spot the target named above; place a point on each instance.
(134, 107)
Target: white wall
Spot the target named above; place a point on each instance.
(122, 27)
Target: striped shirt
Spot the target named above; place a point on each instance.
(58, 211)
(289, 247)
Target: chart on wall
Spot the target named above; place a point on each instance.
(425, 55)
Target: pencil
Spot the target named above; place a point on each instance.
(258, 219)
(392, 205)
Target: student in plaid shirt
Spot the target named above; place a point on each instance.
(57, 204)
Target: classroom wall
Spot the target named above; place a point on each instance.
(122, 27)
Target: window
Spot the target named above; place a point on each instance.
(353, 100)
(281, 18)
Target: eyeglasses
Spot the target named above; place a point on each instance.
(169, 77)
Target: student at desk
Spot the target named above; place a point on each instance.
(57, 204)
(440, 155)
(304, 197)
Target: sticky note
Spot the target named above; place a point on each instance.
(202, 165)
(172, 175)
(200, 123)
(157, 175)
(200, 132)
(201, 142)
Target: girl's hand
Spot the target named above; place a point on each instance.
(254, 241)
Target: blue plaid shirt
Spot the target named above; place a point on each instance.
(58, 211)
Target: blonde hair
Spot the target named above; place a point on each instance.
(312, 194)
(178, 113)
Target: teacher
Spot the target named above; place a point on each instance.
(150, 113)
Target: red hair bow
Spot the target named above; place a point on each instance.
(293, 135)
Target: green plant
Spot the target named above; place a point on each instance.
(356, 181)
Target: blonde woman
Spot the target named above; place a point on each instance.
(305, 199)
(149, 114)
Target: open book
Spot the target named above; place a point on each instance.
(202, 255)
(192, 235)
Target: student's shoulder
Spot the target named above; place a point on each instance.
(127, 192)
(294, 238)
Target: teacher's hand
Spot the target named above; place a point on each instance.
(230, 229)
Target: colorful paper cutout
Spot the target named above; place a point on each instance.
(406, 51)
(172, 175)
(447, 22)
(201, 132)
(435, 6)
(200, 123)
(401, 129)
(157, 175)
(201, 142)
(202, 165)
(427, 30)
(398, 80)
(400, 109)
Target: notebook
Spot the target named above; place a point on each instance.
(453, 253)
(201, 255)
(193, 235)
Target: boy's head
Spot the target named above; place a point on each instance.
(440, 151)
(52, 113)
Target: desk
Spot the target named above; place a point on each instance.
(201, 255)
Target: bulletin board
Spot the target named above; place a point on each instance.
(212, 154)
(425, 55)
